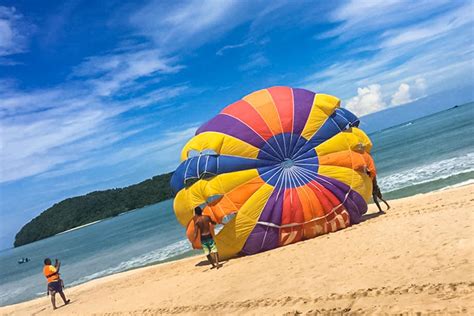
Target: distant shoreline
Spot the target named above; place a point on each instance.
(78, 227)
(94, 206)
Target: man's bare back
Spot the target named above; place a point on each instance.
(203, 223)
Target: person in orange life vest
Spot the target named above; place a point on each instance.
(54, 282)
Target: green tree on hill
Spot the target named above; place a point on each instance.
(94, 206)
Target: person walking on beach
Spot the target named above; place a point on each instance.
(377, 195)
(202, 224)
(55, 284)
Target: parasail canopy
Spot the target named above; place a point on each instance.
(279, 166)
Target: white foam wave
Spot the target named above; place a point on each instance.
(427, 173)
(158, 255)
(11, 292)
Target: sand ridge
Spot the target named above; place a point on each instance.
(416, 258)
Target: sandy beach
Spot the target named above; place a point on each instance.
(416, 258)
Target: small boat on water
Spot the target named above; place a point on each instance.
(23, 260)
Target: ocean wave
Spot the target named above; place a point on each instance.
(158, 255)
(6, 294)
(438, 170)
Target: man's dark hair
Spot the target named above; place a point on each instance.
(47, 261)
(198, 210)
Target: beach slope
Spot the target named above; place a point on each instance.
(418, 257)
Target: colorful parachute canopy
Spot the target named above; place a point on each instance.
(279, 166)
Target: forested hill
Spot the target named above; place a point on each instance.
(81, 210)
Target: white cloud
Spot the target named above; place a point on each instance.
(420, 87)
(164, 151)
(256, 60)
(180, 26)
(407, 93)
(221, 51)
(371, 98)
(174, 25)
(38, 144)
(75, 127)
(402, 95)
(430, 29)
(13, 33)
(45, 129)
(391, 61)
(363, 17)
(117, 71)
(368, 99)
(245, 43)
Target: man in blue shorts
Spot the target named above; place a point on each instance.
(55, 284)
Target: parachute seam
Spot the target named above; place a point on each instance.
(299, 135)
(346, 198)
(333, 209)
(281, 124)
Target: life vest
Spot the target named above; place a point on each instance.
(50, 273)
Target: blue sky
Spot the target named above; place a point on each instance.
(103, 94)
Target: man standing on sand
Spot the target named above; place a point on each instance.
(372, 172)
(202, 223)
(54, 282)
(377, 195)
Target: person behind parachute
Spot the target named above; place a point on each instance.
(371, 171)
(361, 161)
(377, 195)
(55, 284)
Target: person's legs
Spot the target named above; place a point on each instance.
(66, 301)
(53, 299)
(388, 206)
(215, 254)
(378, 194)
(207, 252)
(374, 197)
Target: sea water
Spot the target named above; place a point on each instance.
(424, 155)
(427, 154)
(130, 240)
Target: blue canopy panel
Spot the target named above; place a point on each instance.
(209, 165)
(338, 121)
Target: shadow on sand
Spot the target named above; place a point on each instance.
(202, 263)
(366, 217)
(205, 263)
